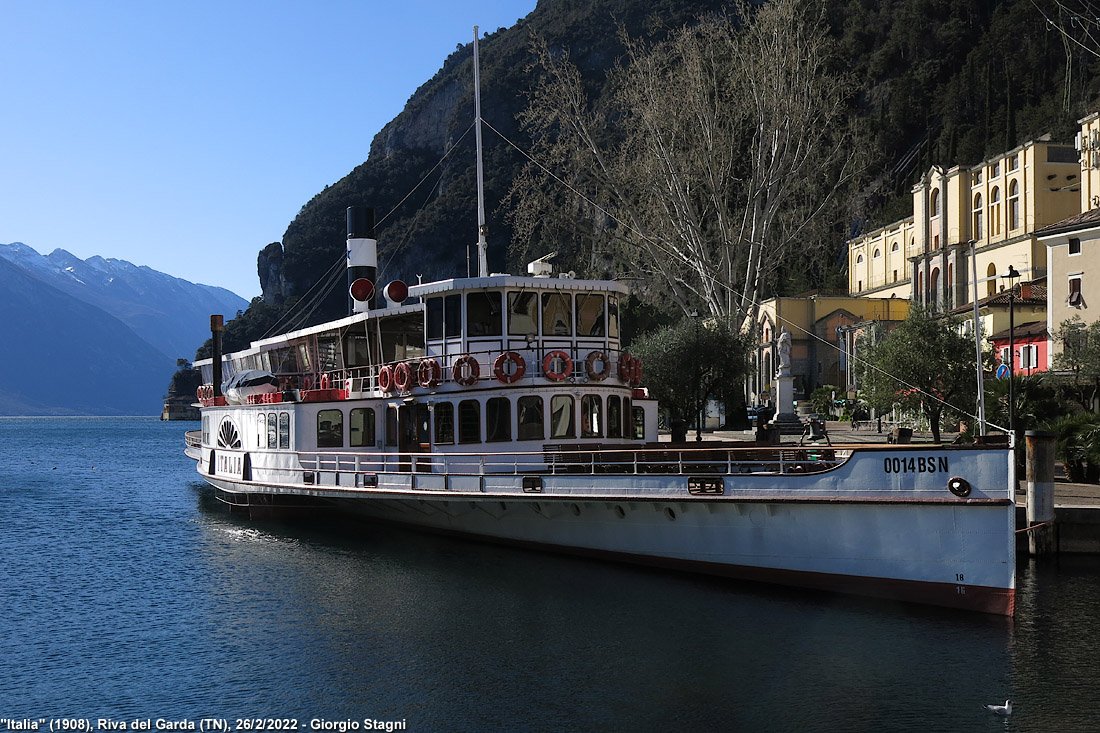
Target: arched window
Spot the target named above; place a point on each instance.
(920, 287)
(991, 279)
(977, 216)
(859, 259)
(934, 286)
(995, 212)
(894, 247)
(1014, 206)
(934, 203)
(878, 253)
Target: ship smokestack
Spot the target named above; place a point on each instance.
(362, 259)
(217, 325)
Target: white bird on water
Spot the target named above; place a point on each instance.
(1005, 709)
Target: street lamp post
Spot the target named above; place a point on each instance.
(1010, 275)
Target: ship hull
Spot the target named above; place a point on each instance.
(898, 541)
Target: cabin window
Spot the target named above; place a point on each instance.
(452, 316)
(434, 318)
(206, 430)
(591, 416)
(328, 353)
(444, 423)
(557, 314)
(423, 425)
(358, 351)
(561, 417)
(529, 410)
(361, 425)
(613, 316)
(483, 314)
(330, 429)
(272, 429)
(498, 419)
(469, 421)
(626, 417)
(590, 314)
(391, 425)
(614, 417)
(261, 428)
(523, 313)
(638, 416)
(284, 430)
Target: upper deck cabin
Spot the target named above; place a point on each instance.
(479, 336)
(446, 320)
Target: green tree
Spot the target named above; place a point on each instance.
(690, 361)
(1078, 363)
(925, 364)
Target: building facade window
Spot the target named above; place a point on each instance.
(934, 203)
(1014, 205)
(991, 279)
(995, 212)
(1075, 298)
(977, 216)
(1074, 246)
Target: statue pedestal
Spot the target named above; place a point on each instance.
(785, 418)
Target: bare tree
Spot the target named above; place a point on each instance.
(695, 174)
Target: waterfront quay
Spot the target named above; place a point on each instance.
(1076, 506)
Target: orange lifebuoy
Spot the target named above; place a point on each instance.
(626, 367)
(594, 374)
(554, 358)
(500, 367)
(465, 370)
(324, 381)
(429, 373)
(403, 376)
(385, 378)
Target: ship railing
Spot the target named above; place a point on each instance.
(573, 460)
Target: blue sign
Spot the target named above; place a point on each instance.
(1002, 371)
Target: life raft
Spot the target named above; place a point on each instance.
(385, 378)
(590, 362)
(429, 373)
(403, 376)
(501, 367)
(557, 365)
(466, 370)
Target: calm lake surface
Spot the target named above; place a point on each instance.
(127, 591)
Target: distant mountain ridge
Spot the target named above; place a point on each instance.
(95, 337)
(170, 313)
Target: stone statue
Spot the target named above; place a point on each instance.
(784, 346)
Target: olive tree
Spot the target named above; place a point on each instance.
(690, 361)
(925, 364)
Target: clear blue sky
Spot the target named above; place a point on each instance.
(186, 135)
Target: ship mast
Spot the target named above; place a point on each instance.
(482, 244)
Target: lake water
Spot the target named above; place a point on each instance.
(128, 592)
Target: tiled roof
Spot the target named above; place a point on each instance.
(1038, 328)
(1038, 298)
(1084, 220)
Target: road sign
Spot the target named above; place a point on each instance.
(1002, 371)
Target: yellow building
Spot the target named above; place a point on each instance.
(1073, 246)
(998, 203)
(819, 326)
